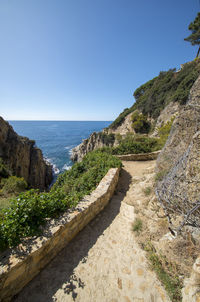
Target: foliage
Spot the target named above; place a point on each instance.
(164, 131)
(13, 184)
(194, 27)
(160, 175)
(4, 171)
(165, 272)
(137, 225)
(133, 145)
(140, 123)
(168, 86)
(28, 211)
(107, 139)
(147, 191)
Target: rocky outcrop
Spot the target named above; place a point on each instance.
(179, 164)
(23, 158)
(106, 138)
(95, 141)
(123, 128)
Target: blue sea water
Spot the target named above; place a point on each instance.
(57, 138)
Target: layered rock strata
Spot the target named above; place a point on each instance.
(23, 158)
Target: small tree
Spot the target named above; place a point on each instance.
(194, 38)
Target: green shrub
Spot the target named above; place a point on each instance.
(4, 171)
(140, 123)
(136, 145)
(160, 175)
(147, 191)
(28, 211)
(164, 131)
(107, 139)
(13, 184)
(137, 225)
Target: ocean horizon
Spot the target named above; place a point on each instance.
(56, 139)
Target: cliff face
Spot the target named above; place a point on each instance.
(95, 141)
(23, 158)
(179, 162)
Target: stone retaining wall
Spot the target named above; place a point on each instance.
(140, 156)
(20, 265)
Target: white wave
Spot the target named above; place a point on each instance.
(66, 167)
(70, 152)
(68, 147)
(55, 169)
(50, 161)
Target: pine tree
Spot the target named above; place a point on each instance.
(194, 38)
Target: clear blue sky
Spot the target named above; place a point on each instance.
(83, 59)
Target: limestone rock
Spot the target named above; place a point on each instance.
(23, 158)
(179, 161)
(94, 142)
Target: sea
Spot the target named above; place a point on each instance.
(56, 139)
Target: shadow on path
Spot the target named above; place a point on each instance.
(59, 273)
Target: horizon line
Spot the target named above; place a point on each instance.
(19, 120)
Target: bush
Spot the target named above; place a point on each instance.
(140, 123)
(137, 225)
(135, 145)
(4, 171)
(28, 211)
(13, 184)
(164, 131)
(107, 139)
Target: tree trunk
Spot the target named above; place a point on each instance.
(198, 52)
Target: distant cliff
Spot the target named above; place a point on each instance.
(23, 158)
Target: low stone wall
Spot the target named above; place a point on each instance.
(20, 265)
(140, 156)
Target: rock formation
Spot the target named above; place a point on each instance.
(179, 163)
(95, 141)
(23, 158)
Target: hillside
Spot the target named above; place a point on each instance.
(156, 103)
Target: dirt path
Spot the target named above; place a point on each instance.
(103, 263)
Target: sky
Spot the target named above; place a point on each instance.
(83, 59)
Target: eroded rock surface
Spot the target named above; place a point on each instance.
(179, 162)
(23, 158)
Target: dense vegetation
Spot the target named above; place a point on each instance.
(168, 86)
(133, 145)
(140, 123)
(107, 139)
(29, 210)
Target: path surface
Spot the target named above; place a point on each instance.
(103, 263)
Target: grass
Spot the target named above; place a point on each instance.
(160, 175)
(147, 191)
(166, 273)
(137, 225)
(4, 202)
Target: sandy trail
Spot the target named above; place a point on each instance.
(103, 263)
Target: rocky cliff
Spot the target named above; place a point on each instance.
(23, 158)
(178, 166)
(95, 141)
